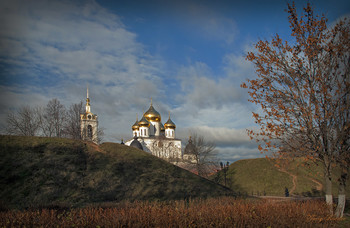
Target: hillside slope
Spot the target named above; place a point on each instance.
(48, 171)
(261, 176)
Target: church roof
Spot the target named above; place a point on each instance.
(190, 148)
(144, 122)
(136, 125)
(135, 143)
(169, 124)
(152, 115)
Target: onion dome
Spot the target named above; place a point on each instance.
(169, 124)
(190, 148)
(144, 122)
(135, 143)
(152, 115)
(136, 125)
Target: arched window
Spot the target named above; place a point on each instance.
(89, 131)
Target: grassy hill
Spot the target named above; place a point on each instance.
(261, 176)
(36, 171)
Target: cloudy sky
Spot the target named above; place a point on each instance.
(187, 55)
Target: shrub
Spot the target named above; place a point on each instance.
(222, 212)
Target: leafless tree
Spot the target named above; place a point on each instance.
(100, 134)
(26, 121)
(54, 117)
(72, 123)
(200, 155)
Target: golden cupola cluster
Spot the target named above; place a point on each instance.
(151, 119)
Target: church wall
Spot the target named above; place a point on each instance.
(163, 148)
(84, 128)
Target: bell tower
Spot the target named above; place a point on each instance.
(89, 122)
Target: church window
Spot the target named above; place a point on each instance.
(89, 131)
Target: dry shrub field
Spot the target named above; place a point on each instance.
(223, 212)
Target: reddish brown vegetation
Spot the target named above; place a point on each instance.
(224, 212)
(303, 89)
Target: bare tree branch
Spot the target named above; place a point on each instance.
(200, 156)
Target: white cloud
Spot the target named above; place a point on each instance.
(57, 47)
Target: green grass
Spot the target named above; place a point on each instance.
(38, 171)
(257, 176)
(260, 175)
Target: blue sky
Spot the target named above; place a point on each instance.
(187, 55)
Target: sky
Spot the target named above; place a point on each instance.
(188, 56)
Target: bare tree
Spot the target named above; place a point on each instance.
(72, 123)
(200, 156)
(303, 88)
(100, 134)
(26, 121)
(54, 118)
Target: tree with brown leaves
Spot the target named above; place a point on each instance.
(303, 89)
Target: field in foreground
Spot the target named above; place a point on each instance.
(220, 212)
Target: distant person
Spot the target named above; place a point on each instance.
(286, 192)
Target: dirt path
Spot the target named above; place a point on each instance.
(95, 146)
(319, 185)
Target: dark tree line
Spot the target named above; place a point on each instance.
(52, 120)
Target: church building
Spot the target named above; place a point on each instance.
(89, 123)
(152, 136)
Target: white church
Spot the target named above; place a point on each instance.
(150, 135)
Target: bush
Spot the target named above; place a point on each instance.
(222, 212)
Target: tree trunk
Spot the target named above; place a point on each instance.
(328, 191)
(339, 212)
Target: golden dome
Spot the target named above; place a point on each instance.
(152, 115)
(162, 128)
(169, 124)
(136, 124)
(144, 122)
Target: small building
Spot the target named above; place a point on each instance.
(89, 123)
